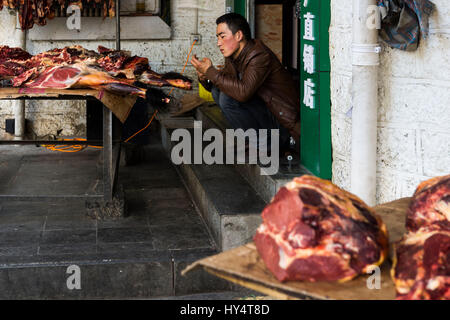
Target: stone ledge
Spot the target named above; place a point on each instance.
(265, 185)
(92, 28)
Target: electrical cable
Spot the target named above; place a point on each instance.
(69, 148)
(148, 124)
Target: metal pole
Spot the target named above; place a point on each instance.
(107, 155)
(19, 106)
(117, 24)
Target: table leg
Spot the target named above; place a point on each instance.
(107, 155)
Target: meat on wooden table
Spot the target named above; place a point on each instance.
(80, 76)
(421, 268)
(76, 67)
(314, 231)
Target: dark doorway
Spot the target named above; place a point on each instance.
(277, 27)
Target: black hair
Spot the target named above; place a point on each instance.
(236, 22)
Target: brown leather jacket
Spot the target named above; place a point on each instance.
(257, 70)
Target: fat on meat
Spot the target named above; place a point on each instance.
(421, 267)
(314, 231)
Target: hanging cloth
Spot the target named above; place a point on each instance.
(404, 22)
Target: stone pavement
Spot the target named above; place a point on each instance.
(139, 256)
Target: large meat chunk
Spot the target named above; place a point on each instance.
(430, 205)
(421, 267)
(81, 76)
(12, 62)
(59, 77)
(65, 56)
(314, 231)
(15, 54)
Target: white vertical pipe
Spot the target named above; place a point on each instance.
(19, 106)
(365, 60)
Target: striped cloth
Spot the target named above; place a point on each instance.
(404, 21)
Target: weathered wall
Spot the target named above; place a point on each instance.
(413, 117)
(269, 26)
(164, 55)
(11, 37)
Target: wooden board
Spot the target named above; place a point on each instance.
(118, 104)
(243, 266)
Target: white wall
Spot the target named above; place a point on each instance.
(414, 112)
(164, 56)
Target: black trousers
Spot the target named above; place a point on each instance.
(252, 114)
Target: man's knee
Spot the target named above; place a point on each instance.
(228, 103)
(215, 94)
(224, 101)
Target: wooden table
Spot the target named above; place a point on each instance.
(243, 266)
(120, 106)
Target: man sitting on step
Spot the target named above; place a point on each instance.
(253, 90)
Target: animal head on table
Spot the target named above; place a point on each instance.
(157, 98)
(178, 80)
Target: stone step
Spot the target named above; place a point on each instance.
(266, 185)
(229, 205)
(144, 276)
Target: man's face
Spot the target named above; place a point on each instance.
(226, 41)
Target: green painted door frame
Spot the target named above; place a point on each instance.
(315, 142)
(315, 97)
(238, 6)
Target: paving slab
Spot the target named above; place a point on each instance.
(139, 256)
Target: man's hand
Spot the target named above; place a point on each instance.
(201, 65)
(202, 76)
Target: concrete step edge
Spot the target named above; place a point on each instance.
(265, 185)
(229, 227)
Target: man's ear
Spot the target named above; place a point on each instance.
(239, 35)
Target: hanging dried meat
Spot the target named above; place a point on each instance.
(421, 268)
(314, 231)
(39, 11)
(76, 67)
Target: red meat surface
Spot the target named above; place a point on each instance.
(314, 231)
(421, 269)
